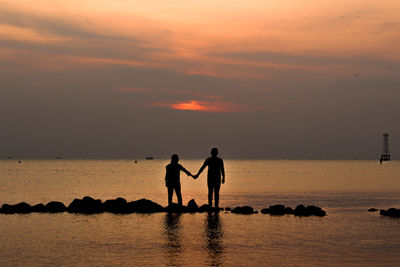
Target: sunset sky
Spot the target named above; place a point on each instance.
(258, 79)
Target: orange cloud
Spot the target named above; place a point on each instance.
(205, 106)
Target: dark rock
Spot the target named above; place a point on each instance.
(176, 208)
(277, 210)
(228, 209)
(55, 206)
(316, 211)
(144, 206)
(204, 208)
(265, 211)
(39, 208)
(7, 209)
(118, 205)
(372, 210)
(22, 208)
(87, 205)
(392, 212)
(17, 208)
(243, 210)
(192, 206)
(301, 210)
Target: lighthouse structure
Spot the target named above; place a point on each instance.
(385, 152)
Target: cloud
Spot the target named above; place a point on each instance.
(205, 106)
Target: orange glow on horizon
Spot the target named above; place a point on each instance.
(205, 106)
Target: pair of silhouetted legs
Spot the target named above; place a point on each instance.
(177, 188)
(213, 187)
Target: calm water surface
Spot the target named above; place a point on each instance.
(349, 235)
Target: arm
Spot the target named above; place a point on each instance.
(222, 171)
(201, 169)
(166, 177)
(186, 171)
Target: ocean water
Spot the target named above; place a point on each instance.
(348, 235)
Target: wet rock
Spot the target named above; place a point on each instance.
(204, 208)
(17, 208)
(55, 206)
(144, 206)
(243, 210)
(277, 210)
(7, 209)
(192, 206)
(23, 208)
(87, 205)
(392, 212)
(301, 210)
(118, 205)
(372, 210)
(265, 211)
(228, 209)
(176, 208)
(39, 208)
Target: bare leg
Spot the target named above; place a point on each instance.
(210, 195)
(170, 192)
(216, 198)
(178, 194)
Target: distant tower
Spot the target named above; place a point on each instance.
(385, 152)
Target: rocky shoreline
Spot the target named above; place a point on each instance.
(89, 205)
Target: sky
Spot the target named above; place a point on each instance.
(282, 79)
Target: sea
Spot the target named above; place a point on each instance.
(348, 236)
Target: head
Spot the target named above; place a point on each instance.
(214, 152)
(174, 158)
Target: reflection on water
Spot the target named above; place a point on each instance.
(173, 233)
(213, 239)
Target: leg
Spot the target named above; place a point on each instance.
(178, 193)
(210, 194)
(170, 192)
(217, 186)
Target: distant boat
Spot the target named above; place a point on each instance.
(149, 158)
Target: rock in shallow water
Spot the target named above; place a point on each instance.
(55, 206)
(243, 210)
(87, 205)
(300, 210)
(392, 212)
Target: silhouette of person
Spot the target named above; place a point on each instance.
(172, 179)
(215, 170)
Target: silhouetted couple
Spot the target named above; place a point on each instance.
(215, 171)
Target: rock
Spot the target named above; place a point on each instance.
(176, 208)
(17, 208)
(243, 210)
(87, 205)
(7, 209)
(22, 208)
(265, 211)
(277, 210)
(372, 210)
(301, 210)
(316, 211)
(39, 208)
(392, 212)
(55, 206)
(118, 205)
(192, 206)
(144, 206)
(204, 208)
(228, 209)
